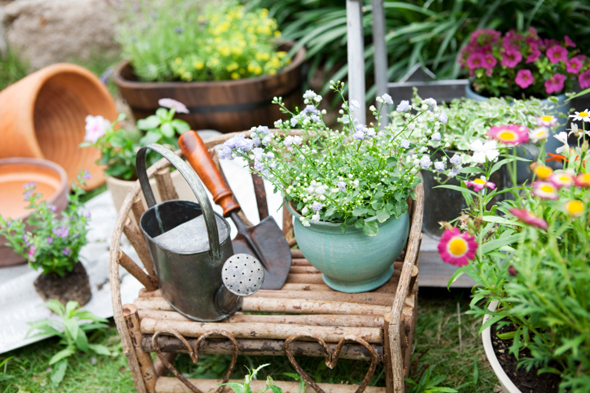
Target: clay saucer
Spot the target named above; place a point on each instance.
(52, 182)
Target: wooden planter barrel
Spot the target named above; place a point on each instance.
(225, 106)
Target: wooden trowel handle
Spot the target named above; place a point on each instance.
(196, 153)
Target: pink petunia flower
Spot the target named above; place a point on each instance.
(96, 126)
(524, 78)
(535, 53)
(574, 65)
(480, 184)
(457, 248)
(545, 190)
(554, 84)
(562, 179)
(179, 107)
(557, 53)
(510, 134)
(569, 42)
(511, 57)
(529, 218)
(489, 61)
(474, 61)
(584, 79)
(31, 253)
(550, 42)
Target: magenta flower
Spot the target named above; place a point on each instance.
(529, 218)
(510, 58)
(545, 190)
(550, 42)
(510, 134)
(524, 78)
(584, 79)
(31, 253)
(562, 179)
(554, 84)
(489, 61)
(557, 53)
(96, 126)
(476, 60)
(179, 107)
(457, 248)
(535, 53)
(569, 42)
(574, 65)
(480, 184)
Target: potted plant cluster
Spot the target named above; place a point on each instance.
(52, 242)
(118, 146)
(529, 257)
(524, 65)
(224, 62)
(348, 189)
(457, 135)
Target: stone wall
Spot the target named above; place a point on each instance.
(44, 32)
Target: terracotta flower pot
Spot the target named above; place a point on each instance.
(43, 116)
(51, 181)
(226, 106)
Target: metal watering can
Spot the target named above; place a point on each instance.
(191, 249)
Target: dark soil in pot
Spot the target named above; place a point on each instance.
(75, 285)
(527, 382)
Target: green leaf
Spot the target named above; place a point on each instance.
(506, 336)
(71, 307)
(167, 130)
(276, 389)
(81, 341)
(59, 372)
(149, 138)
(236, 387)
(148, 123)
(100, 349)
(162, 113)
(382, 215)
(64, 353)
(181, 126)
(359, 211)
(371, 228)
(72, 328)
(491, 321)
(56, 307)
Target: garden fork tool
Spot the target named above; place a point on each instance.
(265, 241)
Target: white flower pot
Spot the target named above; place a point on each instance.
(507, 385)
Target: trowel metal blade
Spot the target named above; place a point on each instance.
(266, 242)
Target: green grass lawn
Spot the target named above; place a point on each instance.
(449, 348)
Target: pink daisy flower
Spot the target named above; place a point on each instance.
(510, 134)
(457, 248)
(479, 184)
(584, 79)
(562, 179)
(554, 84)
(511, 57)
(557, 53)
(569, 42)
(524, 78)
(529, 218)
(179, 107)
(574, 208)
(583, 180)
(474, 61)
(545, 190)
(546, 121)
(574, 65)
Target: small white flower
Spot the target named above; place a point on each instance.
(355, 183)
(311, 189)
(576, 131)
(582, 116)
(562, 137)
(322, 198)
(315, 218)
(484, 151)
(320, 190)
(305, 210)
(539, 134)
(387, 99)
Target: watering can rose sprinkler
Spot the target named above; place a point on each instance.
(198, 273)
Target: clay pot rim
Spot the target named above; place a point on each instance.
(43, 75)
(119, 80)
(63, 183)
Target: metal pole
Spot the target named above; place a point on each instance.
(356, 59)
(380, 55)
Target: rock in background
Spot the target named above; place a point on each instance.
(44, 32)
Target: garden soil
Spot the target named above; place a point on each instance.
(75, 285)
(527, 382)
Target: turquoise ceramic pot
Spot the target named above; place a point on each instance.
(352, 262)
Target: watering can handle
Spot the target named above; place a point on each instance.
(194, 183)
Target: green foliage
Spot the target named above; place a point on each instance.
(245, 386)
(49, 241)
(12, 69)
(119, 146)
(426, 32)
(171, 40)
(428, 383)
(72, 333)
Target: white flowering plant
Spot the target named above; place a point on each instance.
(344, 176)
(459, 129)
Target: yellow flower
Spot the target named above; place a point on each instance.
(235, 75)
(232, 67)
(178, 60)
(187, 76)
(224, 50)
(281, 54)
(237, 51)
(543, 172)
(574, 207)
(277, 33)
(272, 72)
(199, 65)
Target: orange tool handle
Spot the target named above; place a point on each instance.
(196, 153)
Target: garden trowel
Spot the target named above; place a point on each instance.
(265, 241)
